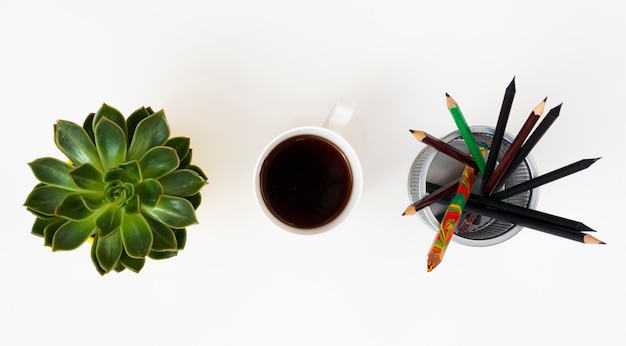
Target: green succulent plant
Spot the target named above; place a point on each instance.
(128, 189)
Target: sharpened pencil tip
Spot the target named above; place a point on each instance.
(412, 131)
(511, 88)
(602, 243)
(546, 99)
(447, 95)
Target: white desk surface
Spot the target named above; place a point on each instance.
(233, 74)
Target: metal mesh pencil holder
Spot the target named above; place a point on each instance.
(431, 166)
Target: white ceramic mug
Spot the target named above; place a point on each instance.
(331, 132)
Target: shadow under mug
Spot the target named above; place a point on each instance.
(292, 189)
(431, 166)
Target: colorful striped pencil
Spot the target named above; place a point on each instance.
(466, 133)
(498, 134)
(508, 157)
(451, 218)
(544, 179)
(444, 147)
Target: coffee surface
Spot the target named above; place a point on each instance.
(306, 181)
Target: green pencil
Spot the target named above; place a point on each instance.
(466, 133)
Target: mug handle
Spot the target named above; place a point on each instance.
(340, 116)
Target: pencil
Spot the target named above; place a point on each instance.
(450, 218)
(530, 143)
(498, 134)
(544, 179)
(508, 157)
(474, 207)
(466, 133)
(527, 213)
(531, 213)
(444, 147)
(431, 198)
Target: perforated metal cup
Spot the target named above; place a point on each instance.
(434, 167)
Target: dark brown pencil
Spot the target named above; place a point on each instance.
(508, 157)
(544, 179)
(444, 148)
(477, 208)
(498, 134)
(530, 143)
(436, 194)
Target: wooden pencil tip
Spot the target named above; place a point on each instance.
(419, 135)
(447, 95)
(410, 210)
(589, 239)
(539, 109)
(546, 99)
(412, 131)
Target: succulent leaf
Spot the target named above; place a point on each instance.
(160, 255)
(181, 144)
(129, 172)
(94, 201)
(195, 200)
(94, 257)
(88, 126)
(44, 199)
(72, 234)
(174, 212)
(182, 183)
(158, 161)
(39, 225)
(111, 114)
(136, 235)
(149, 192)
(110, 142)
(133, 205)
(76, 144)
(186, 161)
(51, 229)
(87, 176)
(109, 221)
(134, 119)
(150, 132)
(164, 238)
(73, 208)
(109, 251)
(134, 264)
(181, 237)
(199, 171)
(53, 172)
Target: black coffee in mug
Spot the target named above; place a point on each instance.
(306, 181)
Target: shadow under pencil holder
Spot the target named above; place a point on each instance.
(433, 167)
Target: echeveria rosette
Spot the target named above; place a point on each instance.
(128, 188)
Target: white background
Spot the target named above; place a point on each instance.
(232, 75)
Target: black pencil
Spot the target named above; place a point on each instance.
(498, 134)
(474, 207)
(530, 143)
(544, 179)
(508, 157)
(528, 213)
